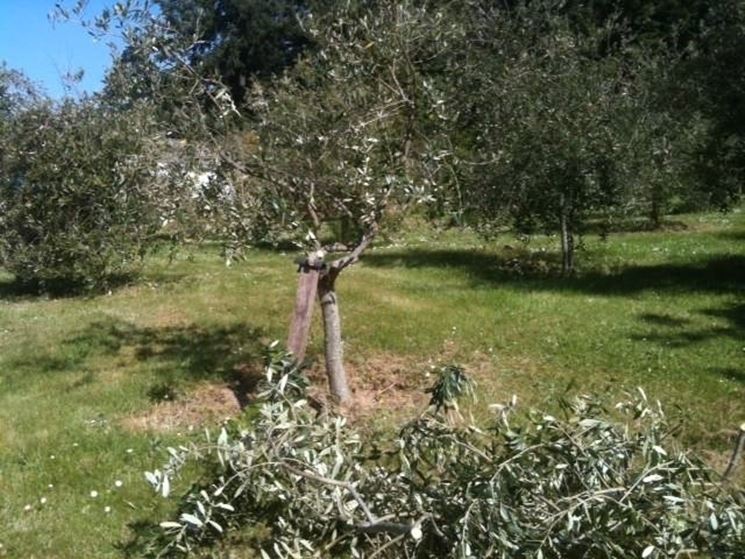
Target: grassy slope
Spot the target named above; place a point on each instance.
(662, 310)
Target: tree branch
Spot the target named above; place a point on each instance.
(339, 264)
(374, 525)
(737, 453)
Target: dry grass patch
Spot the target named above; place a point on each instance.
(169, 316)
(208, 403)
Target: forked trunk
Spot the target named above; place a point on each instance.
(326, 286)
(333, 343)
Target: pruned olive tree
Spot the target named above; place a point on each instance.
(524, 485)
(353, 130)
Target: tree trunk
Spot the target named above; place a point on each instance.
(655, 213)
(333, 343)
(307, 287)
(567, 239)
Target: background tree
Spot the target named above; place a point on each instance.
(674, 23)
(702, 94)
(80, 197)
(550, 131)
(713, 88)
(237, 41)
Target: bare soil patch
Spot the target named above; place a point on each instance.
(382, 385)
(391, 387)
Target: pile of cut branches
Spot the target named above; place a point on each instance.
(528, 485)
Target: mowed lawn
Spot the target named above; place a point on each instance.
(80, 376)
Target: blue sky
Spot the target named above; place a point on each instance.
(44, 51)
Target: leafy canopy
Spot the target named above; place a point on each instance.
(80, 195)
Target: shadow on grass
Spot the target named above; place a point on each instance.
(539, 272)
(718, 274)
(15, 290)
(632, 225)
(219, 352)
(664, 320)
(732, 235)
(732, 373)
(679, 333)
(227, 353)
(146, 540)
(671, 332)
(60, 288)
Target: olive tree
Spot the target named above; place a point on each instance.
(550, 129)
(81, 203)
(17, 92)
(350, 132)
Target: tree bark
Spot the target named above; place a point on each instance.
(737, 454)
(297, 339)
(567, 239)
(332, 330)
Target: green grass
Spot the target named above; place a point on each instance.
(664, 310)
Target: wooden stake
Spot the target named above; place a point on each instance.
(307, 288)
